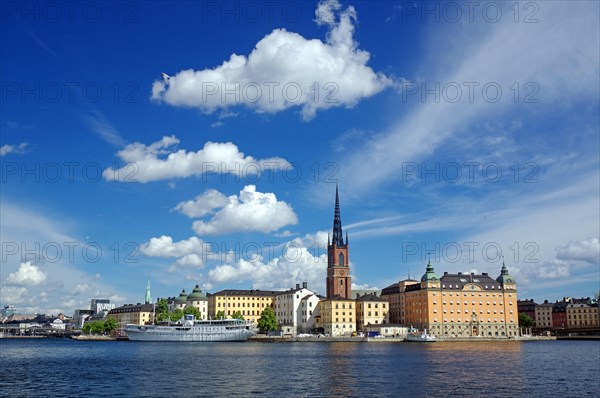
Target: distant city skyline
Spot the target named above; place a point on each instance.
(203, 142)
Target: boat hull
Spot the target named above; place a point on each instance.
(420, 339)
(200, 332)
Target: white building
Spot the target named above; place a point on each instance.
(308, 313)
(101, 306)
(199, 300)
(294, 309)
(57, 324)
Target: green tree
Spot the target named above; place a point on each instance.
(176, 315)
(190, 309)
(267, 320)
(220, 315)
(87, 328)
(97, 327)
(162, 306)
(525, 320)
(110, 324)
(237, 315)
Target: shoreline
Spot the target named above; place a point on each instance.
(289, 339)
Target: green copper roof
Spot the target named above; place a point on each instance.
(196, 294)
(148, 298)
(504, 276)
(429, 274)
(182, 297)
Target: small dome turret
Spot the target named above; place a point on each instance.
(182, 297)
(429, 275)
(504, 276)
(196, 294)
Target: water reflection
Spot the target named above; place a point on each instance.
(341, 369)
(504, 369)
(473, 368)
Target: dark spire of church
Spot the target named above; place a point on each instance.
(338, 237)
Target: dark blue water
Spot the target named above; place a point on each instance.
(67, 368)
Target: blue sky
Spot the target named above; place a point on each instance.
(468, 132)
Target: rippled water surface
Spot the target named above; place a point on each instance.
(67, 368)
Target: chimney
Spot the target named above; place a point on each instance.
(304, 285)
(297, 286)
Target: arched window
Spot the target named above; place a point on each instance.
(341, 260)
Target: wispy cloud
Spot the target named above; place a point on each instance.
(35, 278)
(101, 126)
(558, 54)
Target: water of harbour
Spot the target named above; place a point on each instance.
(67, 368)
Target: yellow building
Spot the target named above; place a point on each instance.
(543, 315)
(457, 305)
(394, 295)
(137, 314)
(582, 313)
(250, 303)
(336, 317)
(371, 310)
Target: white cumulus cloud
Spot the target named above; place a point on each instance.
(250, 211)
(297, 263)
(191, 260)
(18, 149)
(203, 204)
(27, 275)
(587, 250)
(164, 246)
(160, 160)
(284, 70)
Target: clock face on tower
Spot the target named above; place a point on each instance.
(342, 273)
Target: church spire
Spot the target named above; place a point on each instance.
(148, 299)
(338, 237)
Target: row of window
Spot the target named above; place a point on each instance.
(486, 287)
(243, 305)
(369, 313)
(243, 298)
(376, 305)
(469, 320)
(467, 303)
(583, 323)
(343, 306)
(466, 311)
(279, 305)
(473, 294)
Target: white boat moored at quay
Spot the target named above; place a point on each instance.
(420, 337)
(190, 329)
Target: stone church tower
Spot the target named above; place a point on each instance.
(339, 284)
